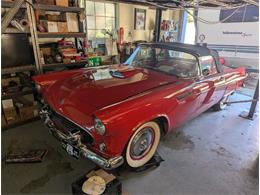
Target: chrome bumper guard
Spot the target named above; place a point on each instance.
(75, 141)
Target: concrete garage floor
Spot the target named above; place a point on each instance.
(212, 154)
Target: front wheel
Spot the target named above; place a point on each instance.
(143, 144)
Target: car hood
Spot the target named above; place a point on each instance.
(89, 90)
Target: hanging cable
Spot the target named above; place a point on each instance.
(212, 22)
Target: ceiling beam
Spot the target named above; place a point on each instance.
(252, 2)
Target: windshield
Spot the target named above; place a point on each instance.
(177, 63)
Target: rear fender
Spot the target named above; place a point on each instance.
(241, 70)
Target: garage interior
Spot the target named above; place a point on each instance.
(215, 153)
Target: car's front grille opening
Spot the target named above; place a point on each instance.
(67, 126)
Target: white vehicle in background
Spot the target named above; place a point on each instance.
(233, 35)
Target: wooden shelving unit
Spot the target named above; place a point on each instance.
(38, 67)
(18, 69)
(18, 123)
(20, 93)
(8, 4)
(57, 8)
(56, 65)
(59, 35)
(40, 35)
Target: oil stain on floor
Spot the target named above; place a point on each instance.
(178, 141)
(57, 166)
(52, 170)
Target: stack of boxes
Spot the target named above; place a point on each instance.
(18, 108)
(49, 21)
(54, 21)
(68, 51)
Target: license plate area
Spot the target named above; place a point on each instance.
(71, 150)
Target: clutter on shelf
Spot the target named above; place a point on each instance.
(56, 22)
(18, 102)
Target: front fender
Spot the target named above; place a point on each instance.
(123, 119)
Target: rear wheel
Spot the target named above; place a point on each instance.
(143, 144)
(221, 104)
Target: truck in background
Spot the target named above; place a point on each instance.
(234, 33)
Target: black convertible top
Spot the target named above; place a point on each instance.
(189, 48)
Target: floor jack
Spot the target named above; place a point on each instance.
(251, 114)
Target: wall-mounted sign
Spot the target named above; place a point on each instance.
(140, 18)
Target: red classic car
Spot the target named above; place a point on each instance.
(118, 113)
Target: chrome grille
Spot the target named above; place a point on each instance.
(68, 126)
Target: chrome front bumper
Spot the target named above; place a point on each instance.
(75, 140)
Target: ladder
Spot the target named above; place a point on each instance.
(30, 12)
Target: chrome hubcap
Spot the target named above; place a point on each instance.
(142, 143)
(222, 105)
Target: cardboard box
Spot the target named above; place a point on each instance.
(49, 25)
(8, 103)
(28, 112)
(11, 115)
(46, 51)
(55, 18)
(46, 2)
(52, 26)
(64, 3)
(3, 121)
(5, 81)
(62, 27)
(26, 100)
(72, 22)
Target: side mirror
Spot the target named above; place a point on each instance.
(205, 72)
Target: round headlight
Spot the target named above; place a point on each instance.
(99, 126)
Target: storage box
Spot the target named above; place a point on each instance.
(3, 121)
(113, 185)
(49, 25)
(54, 18)
(62, 27)
(94, 61)
(64, 3)
(72, 22)
(8, 103)
(11, 115)
(52, 26)
(5, 81)
(28, 112)
(47, 2)
(26, 100)
(46, 51)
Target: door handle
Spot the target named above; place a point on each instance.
(184, 95)
(221, 78)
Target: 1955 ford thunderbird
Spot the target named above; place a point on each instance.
(118, 113)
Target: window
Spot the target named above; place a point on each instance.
(167, 61)
(252, 14)
(208, 65)
(100, 16)
(249, 13)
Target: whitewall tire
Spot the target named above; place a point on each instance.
(221, 105)
(143, 144)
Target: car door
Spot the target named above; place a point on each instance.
(211, 86)
(184, 97)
